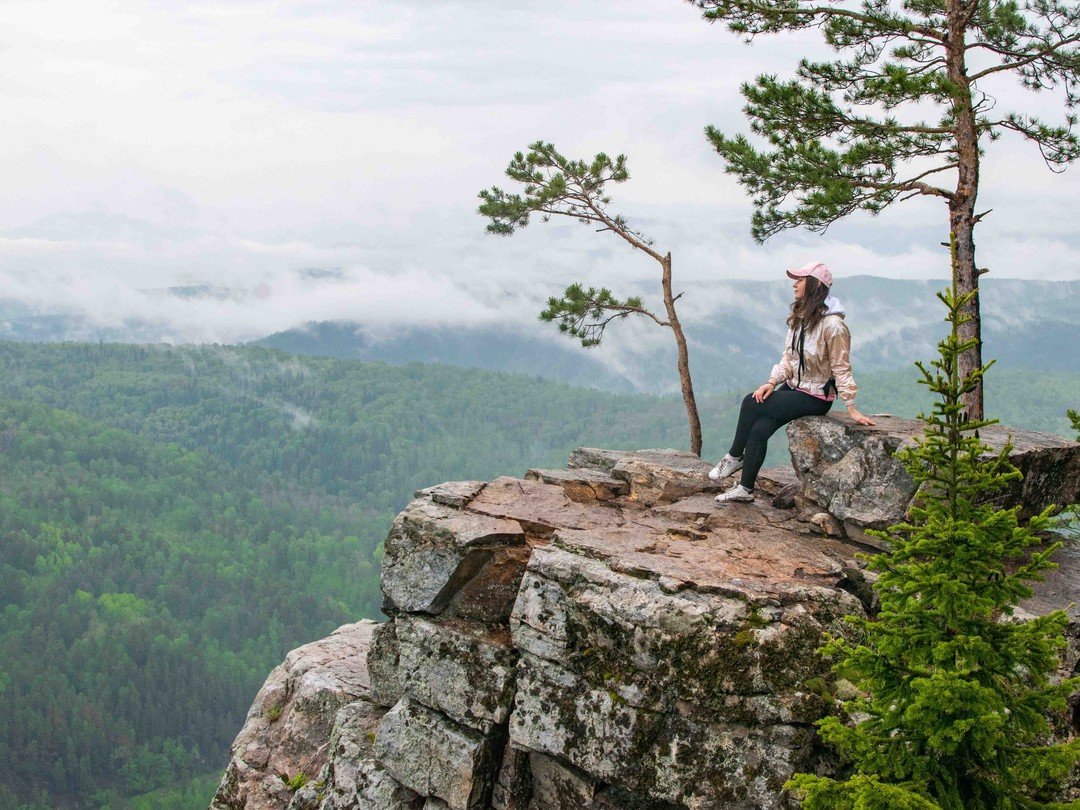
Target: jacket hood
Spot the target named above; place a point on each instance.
(833, 306)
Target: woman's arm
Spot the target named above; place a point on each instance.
(838, 343)
(783, 370)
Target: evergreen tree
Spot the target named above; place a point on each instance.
(851, 134)
(955, 692)
(555, 186)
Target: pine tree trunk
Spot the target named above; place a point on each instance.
(962, 205)
(684, 361)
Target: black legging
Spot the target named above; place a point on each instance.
(760, 420)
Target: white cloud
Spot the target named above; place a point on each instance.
(151, 144)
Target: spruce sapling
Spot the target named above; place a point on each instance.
(955, 692)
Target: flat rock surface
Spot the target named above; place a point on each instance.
(996, 436)
(540, 508)
(755, 564)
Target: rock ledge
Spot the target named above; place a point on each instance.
(603, 636)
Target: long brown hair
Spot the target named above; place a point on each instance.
(807, 312)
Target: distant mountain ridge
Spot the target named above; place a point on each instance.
(735, 330)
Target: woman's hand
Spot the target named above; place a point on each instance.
(857, 417)
(762, 393)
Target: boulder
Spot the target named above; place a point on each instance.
(851, 473)
(288, 728)
(436, 757)
(653, 476)
(582, 485)
(463, 669)
(701, 694)
(434, 550)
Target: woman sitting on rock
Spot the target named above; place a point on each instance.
(814, 367)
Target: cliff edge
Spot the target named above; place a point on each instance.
(605, 636)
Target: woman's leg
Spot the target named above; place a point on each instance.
(782, 407)
(748, 413)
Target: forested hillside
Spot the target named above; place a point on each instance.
(173, 520)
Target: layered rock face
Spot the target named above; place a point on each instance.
(602, 636)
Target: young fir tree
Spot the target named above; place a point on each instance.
(905, 109)
(553, 185)
(956, 693)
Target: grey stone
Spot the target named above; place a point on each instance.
(513, 785)
(852, 475)
(434, 756)
(557, 786)
(852, 472)
(288, 727)
(656, 649)
(654, 476)
(582, 485)
(698, 699)
(377, 790)
(452, 493)
(434, 550)
(594, 458)
(463, 669)
(351, 744)
(684, 757)
(663, 476)
(382, 663)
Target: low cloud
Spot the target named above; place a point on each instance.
(321, 162)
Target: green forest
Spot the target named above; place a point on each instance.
(174, 519)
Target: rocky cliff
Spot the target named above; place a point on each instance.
(603, 636)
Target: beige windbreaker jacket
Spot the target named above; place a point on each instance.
(826, 353)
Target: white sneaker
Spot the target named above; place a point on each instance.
(728, 464)
(737, 493)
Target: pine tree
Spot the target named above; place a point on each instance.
(955, 692)
(905, 109)
(553, 185)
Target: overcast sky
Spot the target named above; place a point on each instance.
(244, 143)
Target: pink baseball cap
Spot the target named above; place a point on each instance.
(817, 270)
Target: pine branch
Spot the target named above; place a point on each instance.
(584, 314)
